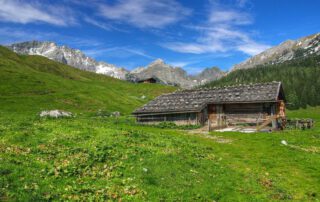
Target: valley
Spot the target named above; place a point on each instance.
(166, 100)
(93, 156)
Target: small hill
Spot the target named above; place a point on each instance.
(34, 83)
(300, 78)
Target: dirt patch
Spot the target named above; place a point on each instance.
(205, 134)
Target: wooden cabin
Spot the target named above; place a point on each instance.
(149, 80)
(256, 105)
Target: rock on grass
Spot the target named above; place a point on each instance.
(55, 114)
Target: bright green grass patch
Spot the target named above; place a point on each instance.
(105, 158)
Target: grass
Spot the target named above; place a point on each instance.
(106, 158)
(25, 79)
(99, 158)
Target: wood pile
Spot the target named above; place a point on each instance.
(300, 123)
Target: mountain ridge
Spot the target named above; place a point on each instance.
(69, 56)
(285, 51)
(167, 74)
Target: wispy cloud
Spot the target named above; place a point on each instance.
(118, 52)
(221, 33)
(242, 3)
(10, 35)
(179, 63)
(98, 24)
(230, 17)
(24, 12)
(145, 13)
(102, 25)
(15, 35)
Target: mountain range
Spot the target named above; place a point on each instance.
(165, 73)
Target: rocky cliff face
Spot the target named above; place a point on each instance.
(165, 73)
(209, 74)
(68, 56)
(170, 75)
(287, 50)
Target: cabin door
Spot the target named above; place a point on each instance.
(216, 117)
(212, 116)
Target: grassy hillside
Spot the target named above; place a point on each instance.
(92, 158)
(34, 83)
(300, 78)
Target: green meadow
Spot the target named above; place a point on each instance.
(95, 157)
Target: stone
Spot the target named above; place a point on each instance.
(55, 113)
(115, 114)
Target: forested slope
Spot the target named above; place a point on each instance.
(300, 78)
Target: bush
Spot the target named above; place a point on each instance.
(172, 125)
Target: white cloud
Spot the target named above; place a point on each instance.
(18, 11)
(252, 48)
(230, 17)
(16, 35)
(179, 63)
(9, 35)
(102, 25)
(98, 24)
(145, 13)
(196, 48)
(221, 33)
(242, 3)
(118, 52)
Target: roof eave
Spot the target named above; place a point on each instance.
(201, 108)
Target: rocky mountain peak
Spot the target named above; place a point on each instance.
(158, 61)
(285, 51)
(69, 56)
(177, 76)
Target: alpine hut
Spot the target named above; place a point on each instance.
(149, 80)
(260, 105)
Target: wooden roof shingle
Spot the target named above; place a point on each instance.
(195, 100)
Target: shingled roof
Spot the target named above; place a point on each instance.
(195, 100)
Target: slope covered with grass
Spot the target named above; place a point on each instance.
(34, 83)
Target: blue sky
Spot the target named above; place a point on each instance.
(193, 34)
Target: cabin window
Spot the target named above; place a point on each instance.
(167, 117)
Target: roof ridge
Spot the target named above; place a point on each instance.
(235, 85)
(195, 99)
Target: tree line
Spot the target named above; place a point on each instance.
(300, 79)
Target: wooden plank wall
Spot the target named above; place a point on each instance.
(179, 119)
(244, 114)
